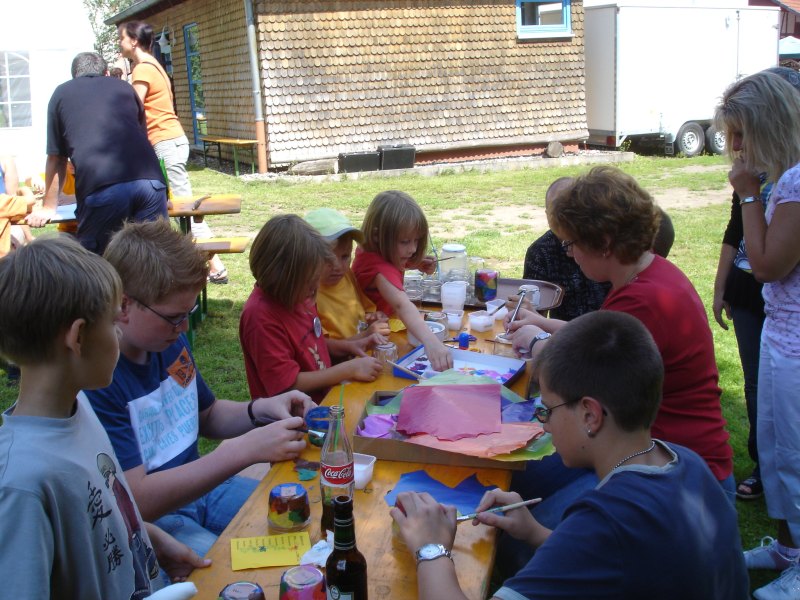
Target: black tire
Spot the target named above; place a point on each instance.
(691, 140)
(715, 140)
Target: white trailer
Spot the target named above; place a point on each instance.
(655, 71)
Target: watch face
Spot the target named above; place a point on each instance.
(430, 551)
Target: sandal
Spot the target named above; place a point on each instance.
(750, 489)
(220, 277)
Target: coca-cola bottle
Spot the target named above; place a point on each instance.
(336, 475)
(346, 568)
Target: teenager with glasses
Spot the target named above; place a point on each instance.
(158, 404)
(656, 525)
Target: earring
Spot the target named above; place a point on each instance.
(590, 433)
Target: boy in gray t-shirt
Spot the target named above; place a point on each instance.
(68, 522)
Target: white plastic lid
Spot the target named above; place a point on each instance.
(454, 247)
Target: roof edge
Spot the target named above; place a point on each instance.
(137, 9)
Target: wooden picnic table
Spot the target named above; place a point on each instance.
(391, 567)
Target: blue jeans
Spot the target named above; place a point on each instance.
(199, 523)
(747, 325)
(103, 212)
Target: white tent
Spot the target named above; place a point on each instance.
(789, 47)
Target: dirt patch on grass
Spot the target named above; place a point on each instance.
(457, 223)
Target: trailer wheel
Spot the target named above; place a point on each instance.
(715, 140)
(690, 140)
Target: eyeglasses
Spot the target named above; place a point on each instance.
(542, 413)
(176, 323)
(566, 245)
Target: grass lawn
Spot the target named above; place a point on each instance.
(496, 215)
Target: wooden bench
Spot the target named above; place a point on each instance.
(236, 143)
(223, 245)
(215, 245)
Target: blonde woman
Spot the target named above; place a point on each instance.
(761, 119)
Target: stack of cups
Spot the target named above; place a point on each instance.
(454, 295)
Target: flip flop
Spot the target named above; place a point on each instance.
(750, 489)
(220, 277)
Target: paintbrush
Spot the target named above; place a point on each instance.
(516, 308)
(498, 509)
(199, 201)
(405, 370)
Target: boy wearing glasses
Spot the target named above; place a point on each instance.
(158, 403)
(656, 526)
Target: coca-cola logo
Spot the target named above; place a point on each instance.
(337, 475)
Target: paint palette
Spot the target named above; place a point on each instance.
(502, 369)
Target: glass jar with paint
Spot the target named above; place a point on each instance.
(289, 509)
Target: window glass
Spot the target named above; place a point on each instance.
(15, 89)
(543, 19)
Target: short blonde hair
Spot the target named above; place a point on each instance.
(606, 210)
(765, 109)
(46, 286)
(286, 256)
(154, 261)
(390, 215)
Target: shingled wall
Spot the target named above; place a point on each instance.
(347, 76)
(224, 62)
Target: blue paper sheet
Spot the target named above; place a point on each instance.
(465, 496)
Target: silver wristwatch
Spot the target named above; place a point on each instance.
(432, 552)
(538, 338)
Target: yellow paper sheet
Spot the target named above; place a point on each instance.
(396, 325)
(269, 550)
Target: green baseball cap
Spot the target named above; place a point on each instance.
(332, 224)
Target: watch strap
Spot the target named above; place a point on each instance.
(441, 551)
(253, 420)
(750, 199)
(538, 338)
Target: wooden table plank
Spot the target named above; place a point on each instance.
(391, 568)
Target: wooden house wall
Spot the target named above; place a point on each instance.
(227, 85)
(438, 74)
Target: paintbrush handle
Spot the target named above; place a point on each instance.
(499, 509)
(516, 308)
(405, 370)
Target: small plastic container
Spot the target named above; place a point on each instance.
(495, 306)
(363, 465)
(454, 319)
(438, 330)
(481, 321)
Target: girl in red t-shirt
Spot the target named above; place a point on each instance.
(395, 233)
(280, 331)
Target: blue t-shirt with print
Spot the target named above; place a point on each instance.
(151, 411)
(659, 533)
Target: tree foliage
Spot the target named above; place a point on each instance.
(105, 36)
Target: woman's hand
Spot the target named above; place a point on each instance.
(745, 183)
(718, 305)
(422, 520)
(522, 337)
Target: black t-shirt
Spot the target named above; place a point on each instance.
(98, 123)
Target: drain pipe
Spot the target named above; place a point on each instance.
(258, 101)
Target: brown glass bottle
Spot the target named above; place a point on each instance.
(346, 569)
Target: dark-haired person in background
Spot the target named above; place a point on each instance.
(98, 123)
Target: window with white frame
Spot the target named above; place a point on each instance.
(541, 19)
(15, 89)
